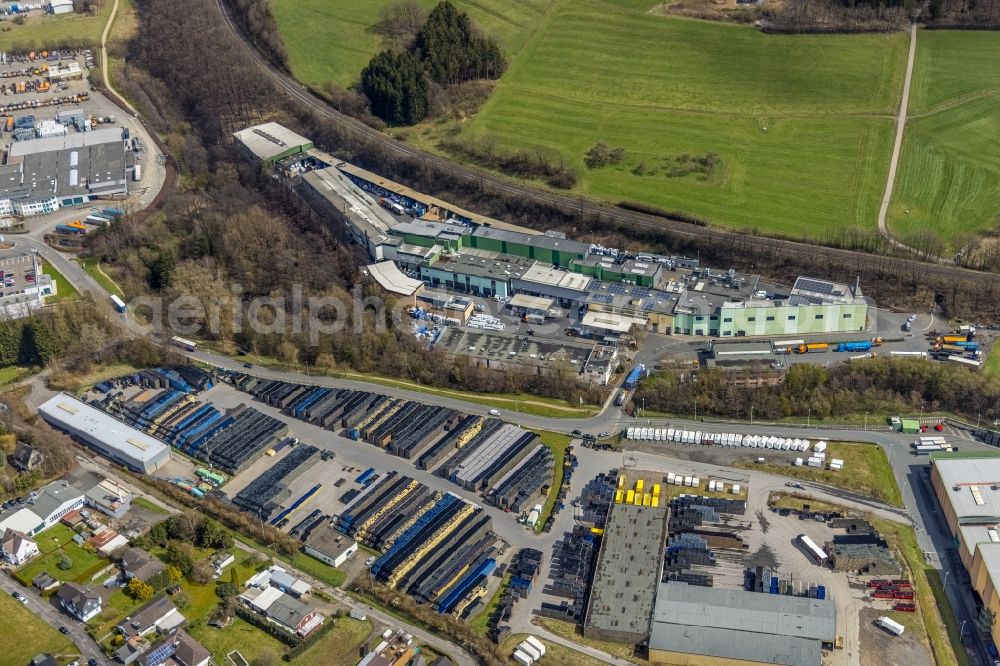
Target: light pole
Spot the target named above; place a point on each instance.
(946, 574)
(866, 420)
(961, 631)
(809, 418)
(751, 414)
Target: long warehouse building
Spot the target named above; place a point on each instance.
(105, 434)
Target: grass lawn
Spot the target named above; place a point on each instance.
(557, 443)
(339, 647)
(518, 402)
(41, 31)
(13, 373)
(118, 606)
(24, 635)
(332, 40)
(64, 290)
(555, 653)
(480, 623)
(949, 178)
(202, 600)
(54, 538)
(794, 501)
(320, 570)
(992, 365)
(84, 565)
(93, 267)
(239, 635)
(866, 471)
(146, 504)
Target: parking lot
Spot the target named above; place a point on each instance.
(34, 92)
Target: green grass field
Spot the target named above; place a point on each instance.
(332, 40)
(949, 177)
(64, 290)
(557, 443)
(584, 71)
(41, 31)
(25, 635)
(84, 565)
(239, 635)
(992, 365)
(93, 266)
(866, 470)
(146, 504)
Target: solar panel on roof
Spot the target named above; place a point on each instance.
(816, 286)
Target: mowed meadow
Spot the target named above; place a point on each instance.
(797, 130)
(949, 176)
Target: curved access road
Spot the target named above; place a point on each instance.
(921, 510)
(897, 146)
(106, 64)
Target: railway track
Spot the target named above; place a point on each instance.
(936, 274)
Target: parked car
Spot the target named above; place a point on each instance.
(912, 318)
(63, 630)
(370, 561)
(577, 433)
(603, 435)
(494, 412)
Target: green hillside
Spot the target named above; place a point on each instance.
(667, 91)
(332, 40)
(949, 177)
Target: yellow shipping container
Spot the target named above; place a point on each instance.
(656, 501)
(646, 499)
(618, 496)
(630, 497)
(597, 530)
(638, 486)
(656, 490)
(621, 481)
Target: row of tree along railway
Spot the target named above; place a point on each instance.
(893, 280)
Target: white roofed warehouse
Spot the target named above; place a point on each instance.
(105, 434)
(271, 142)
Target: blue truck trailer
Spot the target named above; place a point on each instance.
(634, 376)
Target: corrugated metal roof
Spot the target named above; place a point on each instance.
(731, 644)
(751, 612)
(69, 413)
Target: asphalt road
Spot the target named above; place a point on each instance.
(53, 615)
(931, 533)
